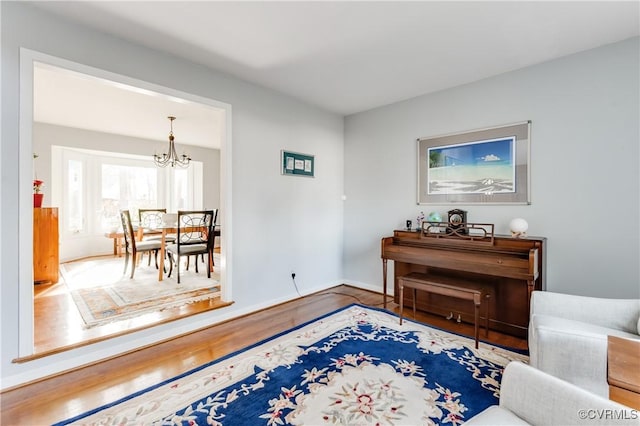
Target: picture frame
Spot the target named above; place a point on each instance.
(297, 164)
(484, 166)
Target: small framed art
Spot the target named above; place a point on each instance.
(297, 164)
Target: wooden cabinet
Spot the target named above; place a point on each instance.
(45, 244)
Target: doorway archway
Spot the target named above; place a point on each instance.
(31, 59)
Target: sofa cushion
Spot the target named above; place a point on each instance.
(495, 416)
(574, 351)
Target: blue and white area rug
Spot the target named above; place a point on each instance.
(356, 366)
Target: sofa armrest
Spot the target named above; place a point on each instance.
(541, 399)
(619, 314)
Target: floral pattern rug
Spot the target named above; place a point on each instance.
(103, 293)
(356, 366)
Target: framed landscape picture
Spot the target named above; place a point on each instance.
(488, 166)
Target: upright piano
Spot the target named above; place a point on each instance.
(507, 268)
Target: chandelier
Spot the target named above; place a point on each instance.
(171, 158)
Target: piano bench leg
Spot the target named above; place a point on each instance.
(476, 319)
(486, 325)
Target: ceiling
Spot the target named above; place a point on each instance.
(351, 56)
(72, 99)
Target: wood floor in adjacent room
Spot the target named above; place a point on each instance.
(74, 393)
(58, 325)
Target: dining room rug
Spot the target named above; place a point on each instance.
(354, 366)
(103, 294)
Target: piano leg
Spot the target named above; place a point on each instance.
(401, 288)
(384, 283)
(530, 287)
(414, 302)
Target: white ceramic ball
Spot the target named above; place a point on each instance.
(518, 226)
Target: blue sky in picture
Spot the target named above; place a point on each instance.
(489, 152)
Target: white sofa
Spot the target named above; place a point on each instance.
(568, 335)
(530, 396)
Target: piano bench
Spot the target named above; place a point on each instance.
(464, 290)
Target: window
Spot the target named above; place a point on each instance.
(123, 182)
(180, 190)
(74, 196)
(126, 187)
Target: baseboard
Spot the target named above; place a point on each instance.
(370, 287)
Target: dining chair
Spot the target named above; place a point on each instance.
(133, 247)
(194, 237)
(216, 233)
(150, 220)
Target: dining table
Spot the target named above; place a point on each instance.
(168, 228)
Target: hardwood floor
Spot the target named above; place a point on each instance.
(73, 393)
(58, 325)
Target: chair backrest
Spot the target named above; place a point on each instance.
(195, 227)
(215, 217)
(213, 234)
(127, 230)
(151, 218)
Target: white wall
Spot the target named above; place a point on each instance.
(280, 222)
(584, 167)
